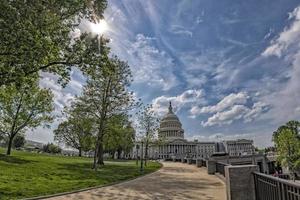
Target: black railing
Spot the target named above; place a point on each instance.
(273, 188)
(284, 176)
(220, 167)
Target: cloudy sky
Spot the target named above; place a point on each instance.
(231, 68)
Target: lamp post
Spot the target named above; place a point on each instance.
(137, 154)
(142, 165)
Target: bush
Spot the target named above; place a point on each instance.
(19, 141)
(51, 148)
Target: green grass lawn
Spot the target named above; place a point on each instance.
(26, 174)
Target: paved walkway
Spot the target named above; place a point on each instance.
(173, 181)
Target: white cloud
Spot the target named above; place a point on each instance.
(289, 37)
(227, 117)
(226, 102)
(188, 97)
(151, 65)
(257, 109)
(232, 107)
(61, 97)
(236, 112)
(176, 29)
(285, 100)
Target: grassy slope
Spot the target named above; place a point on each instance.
(29, 174)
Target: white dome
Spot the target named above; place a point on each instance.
(170, 126)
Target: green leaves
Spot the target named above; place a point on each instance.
(77, 130)
(119, 134)
(287, 143)
(35, 36)
(148, 123)
(24, 107)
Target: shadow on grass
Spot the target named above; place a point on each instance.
(12, 159)
(106, 173)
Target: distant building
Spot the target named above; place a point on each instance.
(174, 145)
(29, 144)
(239, 147)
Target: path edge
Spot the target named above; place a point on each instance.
(95, 187)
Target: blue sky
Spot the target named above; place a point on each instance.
(231, 68)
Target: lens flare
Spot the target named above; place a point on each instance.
(100, 27)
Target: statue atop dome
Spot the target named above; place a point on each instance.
(170, 107)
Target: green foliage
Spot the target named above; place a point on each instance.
(120, 135)
(287, 143)
(19, 141)
(51, 148)
(148, 125)
(23, 107)
(77, 130)
(25, 175)
(270, 149)
(106, 92)
(36, 35)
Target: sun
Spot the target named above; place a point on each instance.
(99, 27)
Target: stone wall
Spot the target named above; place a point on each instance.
(240, 182)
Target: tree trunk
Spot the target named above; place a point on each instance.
(10, 140)
(95, 156)
(146, 152)
(119, 151)
(80, 151)
(100, 154)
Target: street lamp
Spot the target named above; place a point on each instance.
(142, 164)
(137, 154)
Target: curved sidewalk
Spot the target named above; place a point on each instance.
(173, 181)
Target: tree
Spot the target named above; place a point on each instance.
(22, 108)
(293, 125)
(148, 124)
(51, 148)
(120, 135)
(19, 141)
(76, 131)
(106, 94)
(36, 36)
(287, 143)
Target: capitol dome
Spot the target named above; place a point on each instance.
(170, 126)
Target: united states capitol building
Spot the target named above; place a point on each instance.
(175, 146)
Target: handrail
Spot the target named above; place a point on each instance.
(293, 184)
(274, 188)
(227, 164)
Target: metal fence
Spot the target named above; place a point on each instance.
(284, 176)
(220, 167)
(273, 188)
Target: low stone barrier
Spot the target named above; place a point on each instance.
(239, 182)
(211, 166)
(198, 162)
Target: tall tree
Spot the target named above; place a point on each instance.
(37, 35)
(148, 125)
(120, 135)
(287, 143)
(22, 108)
(106, 93)
(77, 130)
